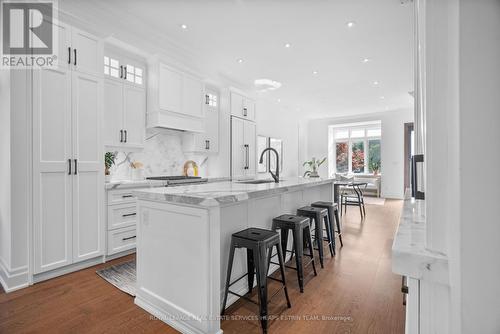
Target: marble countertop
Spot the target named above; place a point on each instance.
(127, 184)
(226, 192)
(410, 257)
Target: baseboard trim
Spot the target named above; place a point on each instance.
(168, 313)
(13, 279)
(67, 269)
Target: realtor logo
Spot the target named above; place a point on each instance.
(27, 34)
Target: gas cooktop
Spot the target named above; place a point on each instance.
(173, 178)
(177, 179)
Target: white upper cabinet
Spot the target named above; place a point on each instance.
(124, 102)
(242, 106)
(175, 99)
(86, 52)
(207, 141)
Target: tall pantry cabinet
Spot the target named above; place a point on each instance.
(68, 154)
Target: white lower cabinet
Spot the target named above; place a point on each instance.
(121, 221)
(121, 240)
(412, 306)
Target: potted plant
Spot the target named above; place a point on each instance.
(109, 160)
(313, 166)
(375, 167)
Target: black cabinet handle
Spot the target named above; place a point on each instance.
(208, 144)
(414, 189)
(129, 214)
(121, 136)
(121, 71)
(404, 288)
(126, 196)
(125, 72)
(207, 99)
(75, 55)
(128, 238)
(125, 131)
(69, 165)
(245, 112)
(69, 55)
(76, 166)
(247, 155)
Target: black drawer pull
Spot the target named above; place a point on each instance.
(126, 196)
(129, 214)
(128, 238)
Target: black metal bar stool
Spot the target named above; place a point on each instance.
(301, 232)
(320, 217)
(259, 243)
(333, 214)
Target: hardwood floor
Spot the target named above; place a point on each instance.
(356, 292)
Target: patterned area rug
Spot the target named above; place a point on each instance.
(374, 200)
(122, 275)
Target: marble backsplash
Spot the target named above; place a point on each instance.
(162, 155)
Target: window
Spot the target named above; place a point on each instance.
(356, 148)
(111, 67)
(211, 99)
(133, 73)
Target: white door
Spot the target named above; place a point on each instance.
(236, 101)
(134, 111)
(192, 96)
(87, 56)
(52, 182)
(238, 149)
(88, 176)
(170, 89)
(250, 140)
(113, 113)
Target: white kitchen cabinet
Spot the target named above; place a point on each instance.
(125, 102)
(52, 180)
(175, 99)
(121, 221)
(242, 106)
(207, 141)
(67, 161)
(86, 91)
(86, 52)
(243, 148)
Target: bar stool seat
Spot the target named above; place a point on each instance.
(333, 213)
(259, 243)
(320, 218)
(301, 232)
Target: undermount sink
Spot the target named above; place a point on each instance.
(255, 181)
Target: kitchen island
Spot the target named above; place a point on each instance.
(183, 239)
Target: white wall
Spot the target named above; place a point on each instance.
(392, 154)
(273, 120)
(479, 138)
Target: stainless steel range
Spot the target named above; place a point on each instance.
(178, 180)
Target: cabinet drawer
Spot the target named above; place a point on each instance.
(121, 215)
(121, 240)
(120, 196)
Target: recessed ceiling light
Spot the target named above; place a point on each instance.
(279, 100)
(382, 97)
(375, 83)
(315, 72)
(350, 24)
(366, 60)
(184, 26)
(239, 60)
(287, 45)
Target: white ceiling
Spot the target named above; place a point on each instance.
(220, 32)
